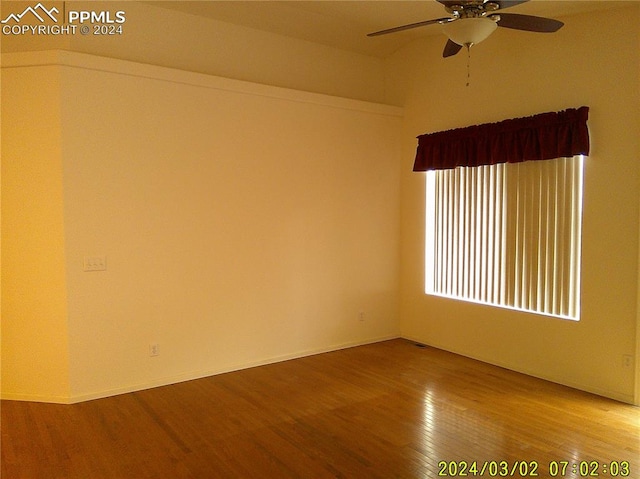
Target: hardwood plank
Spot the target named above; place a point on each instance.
(385, 410)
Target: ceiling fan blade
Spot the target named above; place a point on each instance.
(409, 26)
(529, 23)
(450, 49)
(509, 3)
(449, 3)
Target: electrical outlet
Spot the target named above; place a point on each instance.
(95, 263)
(627, 361)
(154, 349)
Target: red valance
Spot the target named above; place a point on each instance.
(539, 137)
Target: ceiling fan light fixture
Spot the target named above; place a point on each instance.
(469, 31)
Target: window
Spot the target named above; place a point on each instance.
(507, 234)
(504, 212)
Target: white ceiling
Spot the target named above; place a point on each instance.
(344, 24)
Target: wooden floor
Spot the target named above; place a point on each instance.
(386, 410)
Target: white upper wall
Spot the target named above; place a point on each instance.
(168, 38)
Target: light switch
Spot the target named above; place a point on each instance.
(95, 263)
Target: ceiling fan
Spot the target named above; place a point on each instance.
(474, 20)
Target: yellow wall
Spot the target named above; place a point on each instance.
(241, 223)
(593, 61)
(230, 244)
(34, 308)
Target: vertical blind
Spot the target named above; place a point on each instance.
(502, 230)
(507, 235)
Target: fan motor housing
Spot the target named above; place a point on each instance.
(472, 8)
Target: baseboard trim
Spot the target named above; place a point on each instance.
(34, 398)
(190, 376)
(616, 396)
(166, 381)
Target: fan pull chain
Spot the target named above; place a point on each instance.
(468, 64)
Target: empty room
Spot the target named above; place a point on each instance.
(356, 239)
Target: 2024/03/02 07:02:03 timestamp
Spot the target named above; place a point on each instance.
(533, 469)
